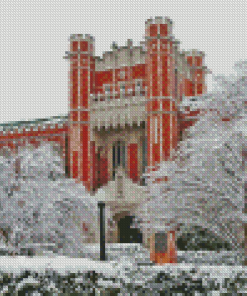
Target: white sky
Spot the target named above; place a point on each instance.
(34, 37)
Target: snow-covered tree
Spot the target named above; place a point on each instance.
(228, 96)
(205, 184)
(45, 207)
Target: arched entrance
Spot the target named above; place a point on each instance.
(128, 234)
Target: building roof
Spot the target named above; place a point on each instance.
(38, 121)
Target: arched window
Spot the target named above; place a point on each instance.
(118, 156)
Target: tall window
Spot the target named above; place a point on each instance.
(107, 91)
(118, 156)
(155, 130)
(67, 156)
(122, 90)
(122, 74)
(139, 88)
(144, 153)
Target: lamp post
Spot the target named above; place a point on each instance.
(244, 161)
(101, 206)
(245, 224)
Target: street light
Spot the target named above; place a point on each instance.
(101, 206)
(245, 224)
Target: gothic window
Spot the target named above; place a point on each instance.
(96, 97)
(130, 91)
(122, 89)
(122, 74)
(144, 153)
(107, 91)
(139, 88)
(156, 130)
(118, 156)
(181, 136)
(67, 173)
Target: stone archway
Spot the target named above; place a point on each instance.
(124, 233)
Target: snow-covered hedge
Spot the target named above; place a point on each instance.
(66, 276)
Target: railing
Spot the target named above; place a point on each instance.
(124, 103)
(110, 97)
(127, 110)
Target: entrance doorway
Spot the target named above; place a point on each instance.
(128, 234)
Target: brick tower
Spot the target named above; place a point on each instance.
(82, 75)
(161, 95)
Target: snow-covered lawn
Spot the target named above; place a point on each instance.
(125, 271)
(60, 264)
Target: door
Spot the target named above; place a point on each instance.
(128, 234)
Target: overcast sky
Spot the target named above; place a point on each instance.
(34, 38)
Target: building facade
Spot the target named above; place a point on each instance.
(124, 116)
(124, 107)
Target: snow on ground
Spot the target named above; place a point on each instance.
(60, 264)
(124, 271)
(128, 261)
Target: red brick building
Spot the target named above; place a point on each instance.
(124, 107)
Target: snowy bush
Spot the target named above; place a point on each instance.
(91, 278)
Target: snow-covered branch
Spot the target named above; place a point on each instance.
(205, 184)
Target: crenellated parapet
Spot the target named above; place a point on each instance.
(119, 57)
(20, 134)
(74, 40)
(166, 27)
(16, 130)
